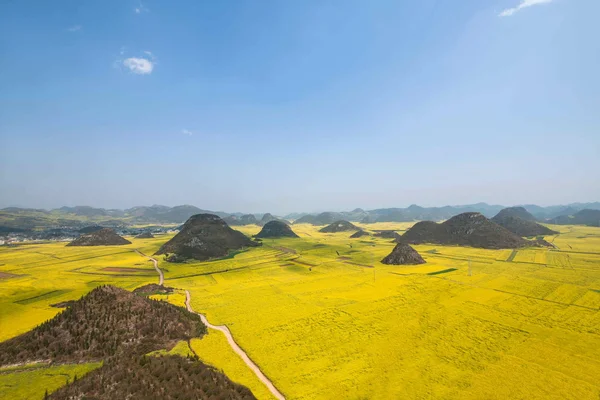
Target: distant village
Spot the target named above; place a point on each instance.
(68, 234)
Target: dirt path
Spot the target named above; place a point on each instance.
(237, 349)
(161, 277)
(253, 367)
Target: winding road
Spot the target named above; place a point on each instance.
(253, 367)
(237, 349)
(161, 277)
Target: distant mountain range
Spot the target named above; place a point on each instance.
(418, 213)
(14, 218)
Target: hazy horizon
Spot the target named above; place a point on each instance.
(300, 211)
(299, 107)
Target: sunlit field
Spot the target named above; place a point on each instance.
(323, 318)
(34, 276)
(32, 382)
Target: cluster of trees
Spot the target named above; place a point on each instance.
(104, 323)
(144, 377)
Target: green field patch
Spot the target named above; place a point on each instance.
(512, 256)
(43, 296)
(32, 383)
(432, 251)
(231, 255)
(443, 271)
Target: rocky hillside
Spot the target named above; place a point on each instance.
(276, 229)
(467, 229)
(103, 237)
(204, 237)
(520, 222)
(339, 226)
(403, 254)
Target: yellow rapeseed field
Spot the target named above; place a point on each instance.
(323, 318)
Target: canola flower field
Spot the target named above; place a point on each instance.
(323, 318)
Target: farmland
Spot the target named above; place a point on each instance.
(324, 319)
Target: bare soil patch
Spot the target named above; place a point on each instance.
(6, 275)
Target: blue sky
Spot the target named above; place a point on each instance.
(299, 105)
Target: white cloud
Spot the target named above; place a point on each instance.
(140, 66)
(140, 9)
(74, 28)
(186, 132)
(524, 4)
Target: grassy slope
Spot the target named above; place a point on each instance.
(322, 328)
(31, 383)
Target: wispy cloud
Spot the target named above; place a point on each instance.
(140, 66)
(141, 8)
(186, 132)
(524, 4)
(74, 28)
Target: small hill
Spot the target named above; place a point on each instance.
(163, 377)
(467, 229)
(339, 226)
(268, 217)
(103, 237)
(359, 234)
(403, 254)
(203, 237)
(307, 219)
(145, 235)
(367, 220)
(153, 377)
(520, 222)
(248, 219)
(153, 288)
(583, 217)
(275, 229)
(106, 322)
(387, 234)
(327, 217)
(519, 212)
